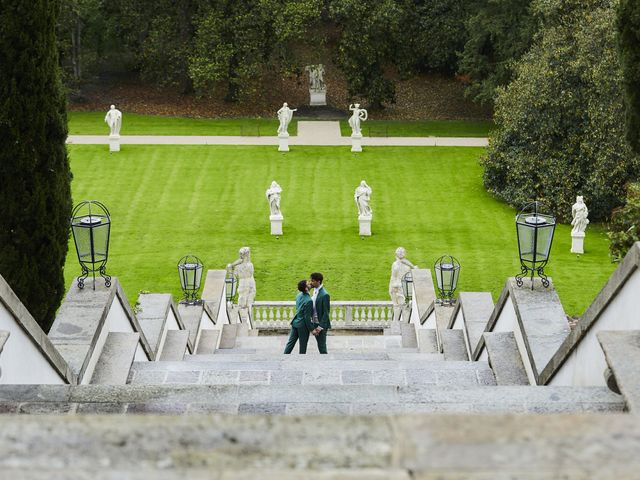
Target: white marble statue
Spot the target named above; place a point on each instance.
(243, 268)
(114, 120)
(273, 196)
(399, 269)
(316, 77)
(580, 213)
(285, 114)
(358, 115)
(363, 198)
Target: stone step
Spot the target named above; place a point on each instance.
(229, 336)
(622, 352)
(175, 345)
(428, 340)
(453, 345)
(418, 447)
(408, 338)
(208, 342)
(505, 359)
(277, 343)
(312, 350)
(305, 399)
(116, 358)
(252, 355)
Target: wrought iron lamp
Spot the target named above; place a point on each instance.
(407, 287)
(190, 271)
(231, 285)
(91, 228)
(535, 235)
(447, 270)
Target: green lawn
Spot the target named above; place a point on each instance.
(167, 201)
(92, 123)
(426, 128)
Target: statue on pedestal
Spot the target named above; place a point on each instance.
(273, 197)
(243, 268)
(359, 114)
(114, 120)
(399, 269)
(285, 114)
(580, 213)
(316, 77)
(363, 198)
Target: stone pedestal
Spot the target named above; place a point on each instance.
(283, 142)
(114, 143)
(356, 142)
(276, 224)
(317, 98)
(365, 225)
(577, 243)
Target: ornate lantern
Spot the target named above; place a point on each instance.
(447, 271)
(535, 235)
(407, 287)
(231, 285)
(190, 271)
(91, 227)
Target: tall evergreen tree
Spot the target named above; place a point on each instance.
(35, 195)
(629, 43)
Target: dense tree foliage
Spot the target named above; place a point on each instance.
(629, 42)
(35, 196)
(560, 131)
(625, 224)
(499, 32)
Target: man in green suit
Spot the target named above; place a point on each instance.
(301, 324)
(321, 311)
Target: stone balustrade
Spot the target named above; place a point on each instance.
(365, 315)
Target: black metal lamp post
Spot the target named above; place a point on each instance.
(447, 270)
(535, 235)
(91, 228)
(231, 285)
(407, 287)
(190, 270)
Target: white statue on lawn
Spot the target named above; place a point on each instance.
(580, 213)
(399, 269)
(243, 268)
(114, 120)
(285, 114)
(358, 115)
(363, 198)
(273, 196)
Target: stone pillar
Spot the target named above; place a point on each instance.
(365, 225)
(356, 142)
(283, 142)
(577, 242)
(276, 224)
(317, 98)
(114, 143)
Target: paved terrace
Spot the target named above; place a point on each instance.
(310, 133)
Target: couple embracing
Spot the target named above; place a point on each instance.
(312, 315)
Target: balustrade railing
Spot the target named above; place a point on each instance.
(353, 315)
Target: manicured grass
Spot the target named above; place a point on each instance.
(92, 123)
(167, 201)
(427, 128)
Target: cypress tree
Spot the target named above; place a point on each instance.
(629, 44)
(35, 195)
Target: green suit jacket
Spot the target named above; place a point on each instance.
(323, 308)
(304, 312)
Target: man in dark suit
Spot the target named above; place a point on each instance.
(321, 311)
(301, 325)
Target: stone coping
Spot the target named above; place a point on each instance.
(28, 324)
(76, 331)
(213, 293)
(590, 317)
(425, 447)
(424, 292)
(154, 309)
(4, 336)
(622, 352)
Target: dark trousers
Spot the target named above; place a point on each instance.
(321, 338)
(297, 334)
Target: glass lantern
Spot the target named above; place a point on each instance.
(535, 236)
(190, 271)
(447, 270)
(91, 229)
